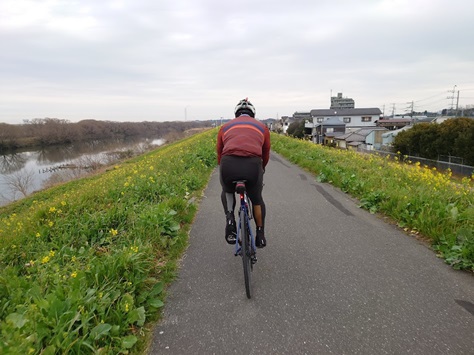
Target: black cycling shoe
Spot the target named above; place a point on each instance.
(230, 229)
(260, 241)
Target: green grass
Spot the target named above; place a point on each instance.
(84, 265)
(421, 200)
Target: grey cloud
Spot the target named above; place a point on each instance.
(118, 58)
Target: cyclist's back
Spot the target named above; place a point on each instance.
(244, 136)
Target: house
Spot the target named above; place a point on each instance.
(393, 123)
(328, 128)
(366, 138)
(301, 115)
(351, 139)
(352, 117)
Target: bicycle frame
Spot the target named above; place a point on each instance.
(245, 209)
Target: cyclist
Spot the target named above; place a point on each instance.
(243, 151)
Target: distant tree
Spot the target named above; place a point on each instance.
(429, 141)
(453, 137)
(52, 131)
(296, 129)
(458, 134)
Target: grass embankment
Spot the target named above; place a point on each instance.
(83, 265)
(421, 200)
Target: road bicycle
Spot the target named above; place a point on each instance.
(245, 246)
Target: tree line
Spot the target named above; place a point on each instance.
(53, 131)
(453, 137)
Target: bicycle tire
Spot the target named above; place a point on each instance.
(246, 255)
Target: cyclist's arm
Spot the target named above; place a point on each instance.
(266, 148)
(219, 146)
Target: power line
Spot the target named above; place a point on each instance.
(429, 97)
(437, 104)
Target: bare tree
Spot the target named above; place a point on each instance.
(20, 182)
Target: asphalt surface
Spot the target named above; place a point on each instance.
(334, 279)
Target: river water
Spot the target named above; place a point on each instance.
(24, 172)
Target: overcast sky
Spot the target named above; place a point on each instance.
(137, 60)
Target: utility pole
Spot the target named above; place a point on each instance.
(457, 104)
(393, 111)
(411, 108)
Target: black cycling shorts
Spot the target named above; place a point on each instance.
(233, 168)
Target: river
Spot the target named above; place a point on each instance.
(26, 171)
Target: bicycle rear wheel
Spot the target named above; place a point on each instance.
(246, 253)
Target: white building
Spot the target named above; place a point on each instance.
(389, 137)
(285, 123)
(353, 119)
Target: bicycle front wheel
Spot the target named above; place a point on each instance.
(246, 253)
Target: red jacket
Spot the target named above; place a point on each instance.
(244, 136)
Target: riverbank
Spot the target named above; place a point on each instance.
(25, 172)
(28, 171)
(84, 264)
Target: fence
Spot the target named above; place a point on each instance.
(458, 169)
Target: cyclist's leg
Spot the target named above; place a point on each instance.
(254, 191)
(259, 211)
(228, 201)
(259, 214)
(226, 179)
(228, 198)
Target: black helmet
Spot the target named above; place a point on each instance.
(244, 107)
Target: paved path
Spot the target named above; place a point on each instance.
(333, 280)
